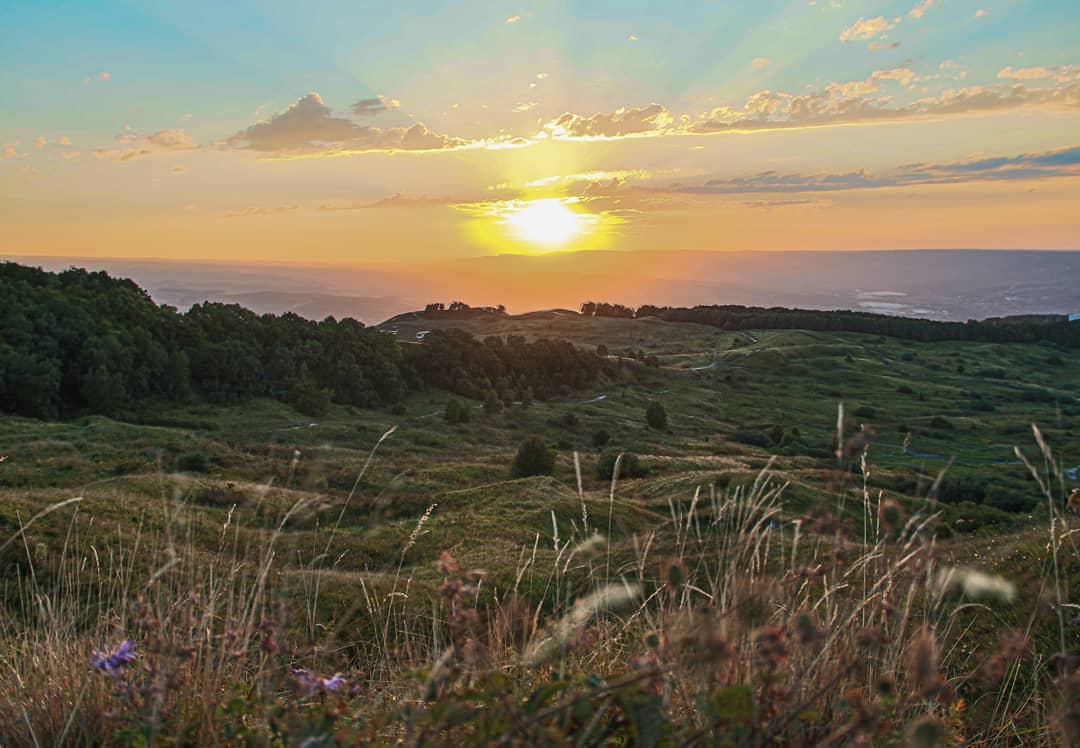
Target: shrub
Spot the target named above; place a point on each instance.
(629, 467)
(309, 398)
(753, 438)
(600, 438)
(905, 390)
(533, 458)
(864, 411)
(195, 461)
(399, 409)
(456, 411)
(940, 422)
(656, 416)
(492, 404)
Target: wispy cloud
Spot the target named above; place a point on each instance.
(857, 102)
(136, 145)
(371, 107)
(920, 9)
(1058, 73)
(866, 29)
(1064, 162)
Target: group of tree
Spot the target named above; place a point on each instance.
(80, 342)
(603, 309)
(1029, 329)
(460, 310)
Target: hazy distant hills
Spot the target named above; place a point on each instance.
(936, 284)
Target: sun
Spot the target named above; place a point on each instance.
(550, 222)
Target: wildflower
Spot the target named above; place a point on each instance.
(112, 663)
(311, 684)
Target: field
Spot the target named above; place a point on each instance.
(756, 508)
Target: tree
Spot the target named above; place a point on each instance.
(533, 458)
(456, 411)
(527, 397)
(656, 416)
(492, 404)
(600, 438)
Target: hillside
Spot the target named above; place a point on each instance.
(323, 530)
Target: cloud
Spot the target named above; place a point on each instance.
(513, 19)
(760, 63)
(856, 102)
(137, 145)
(170, 140)
(1063, 162)
(653, 119)
(864, 30)
(103, 76)
(1058, 73)
(309, 127)
(981, 12)
(920, 10)
(371, 107)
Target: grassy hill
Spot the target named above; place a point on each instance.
(254, 540)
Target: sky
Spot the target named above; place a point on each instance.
(389, 132)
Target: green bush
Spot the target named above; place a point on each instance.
(600, 438)
(195, 461)
(656, 416)
(533, 458)
(492, 404)
(456, 411)
(629, 467)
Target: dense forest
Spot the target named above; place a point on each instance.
(1028, 329)
(79, 342)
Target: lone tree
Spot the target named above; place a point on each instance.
(533, 458)
(492, 404)
(656, 416)
(456, 411)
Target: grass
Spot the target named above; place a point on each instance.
(726, 596)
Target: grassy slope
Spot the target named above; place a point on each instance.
(264, 458)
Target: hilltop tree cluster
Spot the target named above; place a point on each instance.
(1030, 329)
(459, 310)
(83, 342)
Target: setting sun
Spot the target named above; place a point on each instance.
(548, 221)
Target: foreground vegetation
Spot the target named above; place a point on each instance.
(663, 555)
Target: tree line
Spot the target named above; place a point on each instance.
(1031, 329)
(79, 342)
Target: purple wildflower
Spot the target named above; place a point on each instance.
(332, 684)
(112, 663)
(311, 684)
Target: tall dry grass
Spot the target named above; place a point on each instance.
(729, 623)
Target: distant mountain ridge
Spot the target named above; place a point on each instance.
(952, 284)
